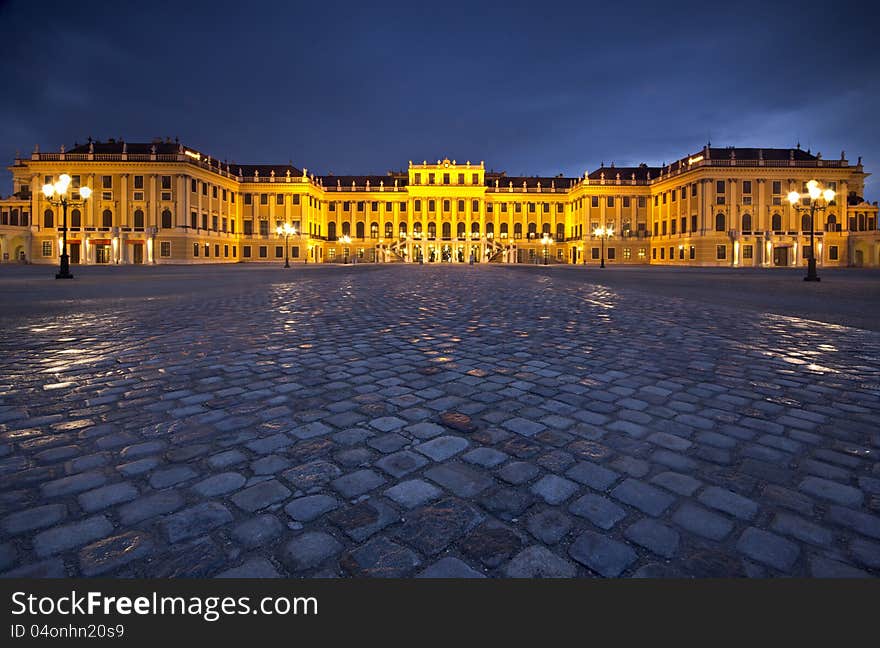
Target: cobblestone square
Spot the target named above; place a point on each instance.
(437, 421)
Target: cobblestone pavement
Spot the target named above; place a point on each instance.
(435, 421)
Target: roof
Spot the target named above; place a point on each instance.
(135, 148)
(504, 180)
(361, 180)
(626, 173)
(758, 153)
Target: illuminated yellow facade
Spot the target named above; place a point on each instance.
(162, 202)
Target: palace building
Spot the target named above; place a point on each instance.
(163, 202)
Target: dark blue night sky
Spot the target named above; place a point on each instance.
(533, 88)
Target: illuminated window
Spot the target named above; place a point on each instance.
(165, 249)
(720, 252)
(47, 248)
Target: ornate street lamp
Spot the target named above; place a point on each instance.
(603, 233)
(57, 195)
(819, 200)
(547, 241)
(345, 239)
(287, 230)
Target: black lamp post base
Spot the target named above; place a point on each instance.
(811, 271)
(63, 275)
(809, 278)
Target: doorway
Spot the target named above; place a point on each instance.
(780, 256)
(74, 252)
(102, 253)
(137, 253)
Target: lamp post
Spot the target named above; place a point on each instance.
(345, 239)
(819, 200)
(603, 233)
(547, 241)
(287, 230)
(57, 195)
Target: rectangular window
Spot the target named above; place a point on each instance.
(517, 207)
(294, 252)
(225, 250)
(139, 182)
(246, 251)
(331, 207)
(47, 248)
(264, 228)
(460, 178)
(594, 201)
(279, 251)
(594, 252)
(503, 208)
(642, 201)
(720, 186)
(692, 253)
(684, 224)
(195, 249)
(193, 185)
(446, 178)
(107, 182)
(665, 196)
(214, 192)
(626, 202)
(194, 220)
(216, 249)
(166, 195)
(296, 199)
(214, 222)
(248, 227)
(693, 222)
(204, 188)
(611, 253)
(777, 187)
(264, 199)
(403, 207)
(204, 221)
(417, 178)
(165, 249)
(431, 206)
(224, 195)
(138, 196)
(279, 199)
(720, 252)
(475, 206)
(748, 251)
(806, 251)
(445, 205)
(672, 226)
(832, 253)
(431, 178)
(360, 206)
(662, 253)
(531, 208)
(681, 252)
(663, 227)
(654, 253)
(747, 186)
(475, 178)
(346, 206)
(263, 252)
(627, 253)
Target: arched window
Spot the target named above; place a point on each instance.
(417, 228)
(460, 230)
(331, 231)
(166, 218)
(402, 230)
(359, 230)
(545, 229)
(719, 222)
(374, 230)
(139, 219)
(747, 223)
(490, 230)
(48, 218)
(517, 231)
(389, 229)
(447, 230)
(432, 230)
(831, 224)
(805, 223)
(776, 222)
(560, 231)
(346, 228)
(533, 229)
(475, 229)
(76, 218)
(107, 218)
(504, 231)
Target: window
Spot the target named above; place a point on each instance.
(139, 219)
(831, 224)
(76, 219)
(445, 205)
(214, 223)
(195, 249)
(204, 188)
(296, 199)
(776, 223)
(642, 201)
(204, 221)
(611, 253)
(663, 228)
(360, 205)
(627, 254)
(248, 227)
(475, 178)
(747, 223)
(107, 182)
(748, 251)
(106, 218)
(777, 187)
(594, 253)
(417, 205)
(461, 205)
(166, 182)
(208, 250)
(681, 253)
(374, 230)
(331, 207)
(264, 199)
(654, 253)
(807, 251)
(684, 222)
(475, 206)
(47, 248)
(517, 208)
(672, 226)
(720, 186)
(693, 222)
(165, 249)
(139, 182)
(446, 178)
(263, 252)
(747, 186)
(246, 251)
(294, 252)
(431, 178)
(594, 201)
(432, 206)
(225, 250)
(279, 199)
(692, 252)
(403, 207)
(193, 185)
(720, 252)
(248, 199)
(417, 178)
(48, 218)
(719, 222)
(805, 223)
(833, 253)
(279, 251)
(389, 229)
(626, 204)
